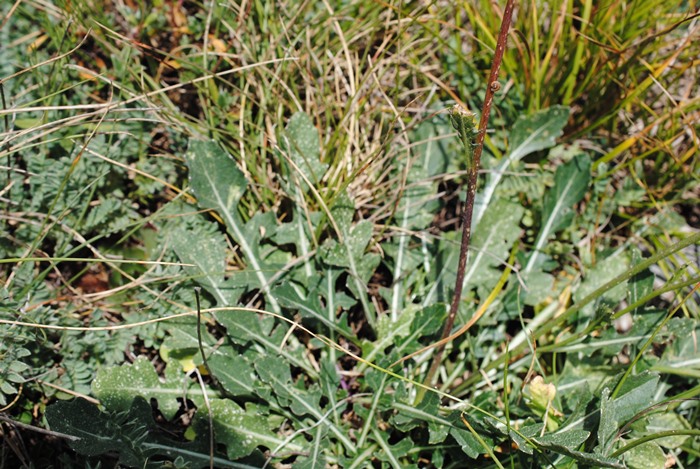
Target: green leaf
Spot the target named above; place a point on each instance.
(277, 375)
(182, 335)
(641, 284)
(243, 431)
(299, 232)
(233, 371)
(591, 459)
(540, 287)
(219, 185)
(415, 211)
(427, 322)
(537, 131)
(7, 388)
(330, 383)
(443, 270)
(629, 193)
(263, 335)
(207, 252)
(428, 411)
(309, 306)
(603, 272)
(635, 395)
(245, 326)
(343, 211)
(431, 144)
(569, 439)
(581, 378)
(216, 180)
(300, 141)
(388, 334)
(117, 387)
(523, 436)
(667, 421)
(645, 456)
(391, 453)
(532, 133)
(570, 185)
(95, 432)
(491, 243)
(682, 354)
(350, 253)
(132, 435)
(315, 458)
(568, 442)
(110, 215)
(467, 442)
(182, 345)
(607, 424)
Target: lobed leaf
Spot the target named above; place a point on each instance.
(219, 185)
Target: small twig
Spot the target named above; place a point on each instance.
(199, 332)
(200, 380)
(43, 431)
(199, 377)
(473, 166)
(6, 146)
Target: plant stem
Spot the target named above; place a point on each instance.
(468, 208)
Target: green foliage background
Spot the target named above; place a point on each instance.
(294, 163)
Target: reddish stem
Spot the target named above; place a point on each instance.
(493, 86)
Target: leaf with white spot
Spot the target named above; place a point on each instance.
(571, 439)
(207, 254)
(635, 395)
(665, 422)
(219, 185)
(300, 141)
(233, 372)
(350, 253)
(243, 430)
(648, 455)
(683, 353)
(117, 387)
